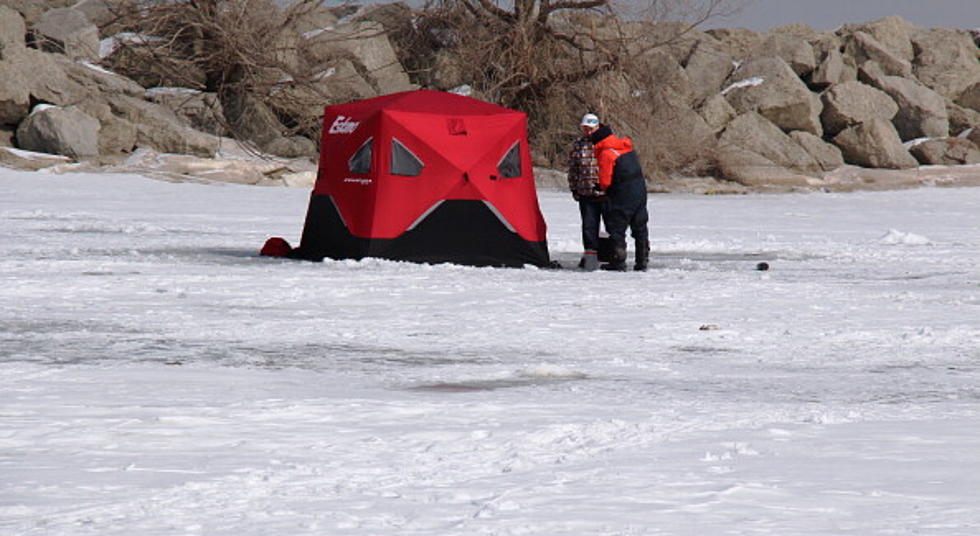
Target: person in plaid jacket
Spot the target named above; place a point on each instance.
(583, 181)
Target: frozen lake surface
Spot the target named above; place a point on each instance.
(161, 379)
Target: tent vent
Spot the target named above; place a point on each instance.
(360, 162)
(510, 165)
(456, 126)
(403, 161)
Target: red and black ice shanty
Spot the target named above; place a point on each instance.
(423, 176)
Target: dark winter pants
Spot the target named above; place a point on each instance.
(628, 208)
(592, 211)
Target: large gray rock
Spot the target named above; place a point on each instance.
(707, 68)
(367, 43)
(755, 133)
(834, 69)
(100, 12)
(752, 169)
(946, 152)
(970, 98)
(863, 47)
(68, 31)
(668, 73)
(874, 144)
(160, 129)
(98, 80)
(946, 60)
(792, 47)
(828, 156)
(740, 43)
(199, 110)
(768, 86)
(116, 135)
(65, 131)
(960, 118)
(14, 97)
(892, 33)
(33, 10)
(667, 133)
(717, 113)
(974, 135)
(921, 111)
(851, 103)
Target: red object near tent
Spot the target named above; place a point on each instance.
(425, 176)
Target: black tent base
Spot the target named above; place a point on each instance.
(456, 231)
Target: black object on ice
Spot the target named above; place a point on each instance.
(762, 266)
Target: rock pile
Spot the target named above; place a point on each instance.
(785, 107)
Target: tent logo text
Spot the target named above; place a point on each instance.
(343, 125)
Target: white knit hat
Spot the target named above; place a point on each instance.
(590, 120)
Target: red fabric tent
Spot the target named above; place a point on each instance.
(425, 176)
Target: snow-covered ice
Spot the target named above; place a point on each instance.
(161, 379)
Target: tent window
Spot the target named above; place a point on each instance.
(360, 162)
(510, 165)
(403, 161)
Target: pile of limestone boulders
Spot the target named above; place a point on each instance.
(788, 108)
(57, 96)
(794, 104)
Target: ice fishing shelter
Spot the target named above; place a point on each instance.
(425, 176)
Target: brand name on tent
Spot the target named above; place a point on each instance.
(358, 180)
(343, 125)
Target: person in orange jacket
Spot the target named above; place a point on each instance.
(621, 177)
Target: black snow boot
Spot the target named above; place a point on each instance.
(618, 262)
(642, 255)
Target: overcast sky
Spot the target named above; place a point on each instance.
(829, 14)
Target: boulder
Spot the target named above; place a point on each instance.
(946, 61)
(33, 10)
(921, 111)
(851, 103)
(892, 33)
(668, 134)
(315, 20)
(68, 31)
(7, 133)
(768, 86)
(946, 152)
(738, 42)
(668, 73)
(98, 80)
(793, 48)
(970, 98)
(755, 133)
(961, 119)
(291, 147)
(824, 43)
(99, 12)
(875, 144)
(116, 135)
(863, 47)
(250, 119)
(834, 69)
(717, 113)
(14, 97)
(367, 43)
(65, 131)
(828, 156)
(159, 128)
(752, 169)
(707, 68)
(199, 110)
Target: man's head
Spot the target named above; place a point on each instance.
(589, 123)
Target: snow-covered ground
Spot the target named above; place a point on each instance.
(158, 378)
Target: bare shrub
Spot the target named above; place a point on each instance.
(252, 53)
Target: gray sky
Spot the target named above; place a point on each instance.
(829, 14)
